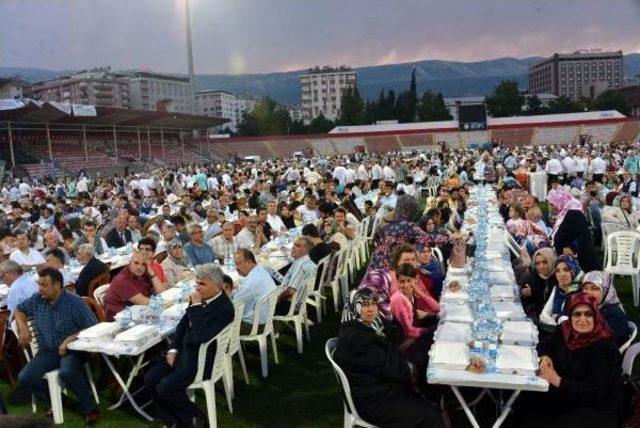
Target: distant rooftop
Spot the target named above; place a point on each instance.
(327, 69)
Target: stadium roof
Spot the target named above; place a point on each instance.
(29, 111)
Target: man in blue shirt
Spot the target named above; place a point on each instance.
(256, 284)
(21, 286)
(58, 316)
(198, 252)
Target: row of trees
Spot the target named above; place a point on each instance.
(506, 100)
(270, 118)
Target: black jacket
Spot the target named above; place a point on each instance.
(591, 376)
(372, 364)
(114, 240)
(617, 322)
(92, 269)
(574, 233)
(200, 324)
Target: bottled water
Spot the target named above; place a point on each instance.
(127, 319)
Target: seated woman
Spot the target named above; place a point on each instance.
(430, 265)
(176, 264)
(537, 279)
(598, 284)
(622, 212)
(424, 289)
(566, 271)
(380, 379)
(582, 365)
(525, 231)
(404, 308)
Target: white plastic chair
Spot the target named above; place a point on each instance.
(235, 348)
(217, 373)
(340, 278)
(54, 382)
(623, 257)
(351, 417)
(315, 297)
(267, 330)
(511, 244)
(100, 293)
(438, 253)
(629, 357)
(632, 336)
(608, 227)
(298, 312)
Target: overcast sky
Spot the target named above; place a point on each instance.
(280, 35)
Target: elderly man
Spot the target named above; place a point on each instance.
(51, 242)
(225, 245)
(24, 255)
(274, 219)
(58, 316)
(92, 267)
(297, 277)
(132, 286)
(21, 286)
(209, 312)
(257, 283)
(251, 236)
(119, 236)
(198, 252)
(167, 234)
(212, 225)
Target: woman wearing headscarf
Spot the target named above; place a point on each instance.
(598, 284)
(430, 266)
(401, 230)
(567, 270)
(570, 234)
(538, 282)
(622, 212)
(381, 380)
(582, 365)
(176, 263)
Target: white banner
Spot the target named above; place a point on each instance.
(65, 108)
(10, 104)
(84, 110)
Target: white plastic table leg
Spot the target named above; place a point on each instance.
(506, 409)
(469, 413)
(125, 387)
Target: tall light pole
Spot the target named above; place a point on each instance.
(190, 58)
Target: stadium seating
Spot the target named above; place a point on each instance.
(512, 137)
(600, 133)
(556, 135)
(628, 131)
(451, 139)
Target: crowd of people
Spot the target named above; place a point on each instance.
(183, 222)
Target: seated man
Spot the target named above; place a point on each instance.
(92, 268)
(51, 243)
(58, 317)
(21, 286)
(148, 246)
(251, 236)
(198, 252)
(225, 245)
(24, 255)
(168, 232)
(55, 259)
(120, 235)
(209, 313)
(298, 275)
(256, 284)
(132, 286)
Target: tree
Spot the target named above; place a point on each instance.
(440, 110)
(432, 107)
(320, 125)
(405, 108)
(562, 105)
(266, 118)
(534, 105)
(351, 107)
(611, 100)
(413, 93)
(506, 100)
(426, 106)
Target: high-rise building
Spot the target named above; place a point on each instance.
(322, 90)
(99, 87)
(159, 91)
(224, 104)
(580, 74)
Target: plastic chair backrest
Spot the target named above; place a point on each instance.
(626, 244)
(511, 244)
(101, 279)
(329, 347)
(632, 336)
(270, 300)
(4, 320)
(438, 253)
(100, 293)
(324, 266)
(299, 297)
(222, 343)
(234, 341)
(629, 357)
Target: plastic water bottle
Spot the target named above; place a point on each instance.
(127, 319)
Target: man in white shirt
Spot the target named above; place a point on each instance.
(340, 173)
(274, 219)
(554, 168)
(308, 210)
(250, 236)
(569, 166)
(226, 245)
(388, 173)
(21, 286)
(376, 172)
(256, 284)
(24, 189)
(24, 255)
(312, 176)
(211, 225)
(301, 272)
(597, 168)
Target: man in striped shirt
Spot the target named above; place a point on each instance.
(301, 272)
(225, 245)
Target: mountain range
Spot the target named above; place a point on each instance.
(452, 78)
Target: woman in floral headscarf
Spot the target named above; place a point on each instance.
(380, 378)
(570, 234)
(598, 284)
(567, 273)
(622, 212)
